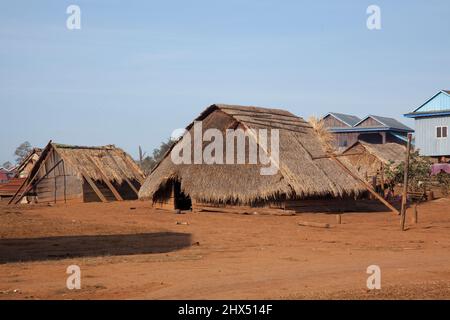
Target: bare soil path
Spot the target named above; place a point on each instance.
(130, 251)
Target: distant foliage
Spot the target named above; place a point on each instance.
(149, 162)
(418, 173)
(23, 151)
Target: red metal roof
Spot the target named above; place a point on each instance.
(4, 175)
(11, 187)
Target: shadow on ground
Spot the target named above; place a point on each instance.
(56, 248)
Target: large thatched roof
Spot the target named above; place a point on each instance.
(300, 175)
(109, 160)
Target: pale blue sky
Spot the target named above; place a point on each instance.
(139, 69)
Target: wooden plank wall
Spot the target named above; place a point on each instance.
(332, 122)
(370, 122)
(61, 185)
(345, 139)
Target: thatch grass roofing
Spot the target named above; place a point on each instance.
(113, 162)
(368, 159)
(300, 174)
(386, 153)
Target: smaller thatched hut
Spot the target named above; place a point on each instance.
(66, 173)
(369, 159)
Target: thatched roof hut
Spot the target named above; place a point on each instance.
(84, 174)
(305, 171)
(27, 164)
(369, 159)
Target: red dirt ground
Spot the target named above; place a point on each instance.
(129, 251)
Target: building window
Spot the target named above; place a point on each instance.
(441, 132)
(343, 143)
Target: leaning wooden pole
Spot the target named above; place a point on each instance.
(28, 181)
(30, 185)
(367, 185)
(405, 184)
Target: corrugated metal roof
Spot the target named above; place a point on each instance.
(11, 187)
(391, 123)
(385, 124)
(440, 102)
(348, 119)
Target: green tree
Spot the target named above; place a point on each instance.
(418, 172)
(22, 151)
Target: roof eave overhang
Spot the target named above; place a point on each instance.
(367, 129)
(426, 114)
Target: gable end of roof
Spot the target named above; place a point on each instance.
(347, 119)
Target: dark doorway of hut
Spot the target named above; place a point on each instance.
(182, 201)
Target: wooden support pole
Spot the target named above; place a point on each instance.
(124, 176)
(28, 188)
(106, 180)
(374, 183)
(27, 182)
(94, 187)
(382, 179)
(337, 155)
(415, 218)
(17, 192)
(65, 183)
(54, 175)
(405, 184)
(339, 219)
(368, 186)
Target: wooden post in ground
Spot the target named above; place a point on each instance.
(405, 184)
(374, 183)
(416, 213)
(339, 218)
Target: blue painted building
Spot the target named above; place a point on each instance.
(432, 121)
(348, 129)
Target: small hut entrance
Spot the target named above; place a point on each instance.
(182, 201)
